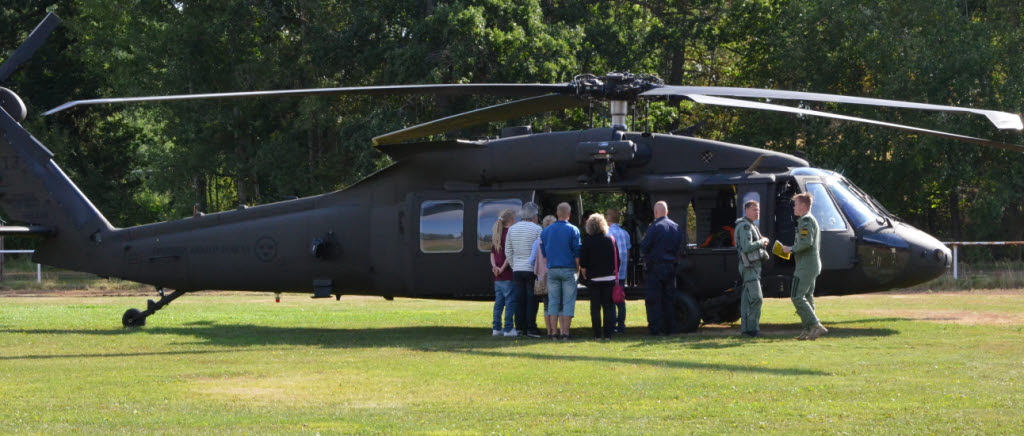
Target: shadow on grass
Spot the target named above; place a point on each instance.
(107, 355)
(465, 340)
(667, 363)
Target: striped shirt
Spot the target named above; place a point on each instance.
(623, 242)
(519, 243)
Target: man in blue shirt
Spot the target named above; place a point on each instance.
(659, 247)
(560, 244)
(623, 243)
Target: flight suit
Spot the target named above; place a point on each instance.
(748, 240)
(806, 250)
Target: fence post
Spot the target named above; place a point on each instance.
(955, 275)
(39, 273)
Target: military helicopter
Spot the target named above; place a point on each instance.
(420, 227)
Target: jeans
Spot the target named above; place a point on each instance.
(526, 311)
(561, 292)
(601, 301)
(660, 298)
(620, 316)
(503, 301)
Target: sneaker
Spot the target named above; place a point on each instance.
(497, 333)
(804, 335)
(817, 331)
(511, 333)
(533, 333)
(553, 337)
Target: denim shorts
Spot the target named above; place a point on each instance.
(561, 292)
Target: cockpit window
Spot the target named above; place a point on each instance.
(824, 210)
(855, 209)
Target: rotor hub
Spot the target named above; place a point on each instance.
(614, 86)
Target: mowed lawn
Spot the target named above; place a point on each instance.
(936, 363)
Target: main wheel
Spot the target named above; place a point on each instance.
(687, 313)
(133, 318)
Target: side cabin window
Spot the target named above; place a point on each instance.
(486, 214)
(441, 226)
(824, 210)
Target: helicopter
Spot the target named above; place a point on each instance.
(421, 227)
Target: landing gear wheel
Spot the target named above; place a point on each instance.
(133, 318)
(687, 313)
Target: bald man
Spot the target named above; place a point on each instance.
(560, 244)
(659, 247)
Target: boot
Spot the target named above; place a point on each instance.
(817, 331)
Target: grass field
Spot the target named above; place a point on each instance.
(911, 363)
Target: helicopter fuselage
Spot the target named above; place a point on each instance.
(421, 227)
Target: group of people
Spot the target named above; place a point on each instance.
(536, 261)
(751, 248)
(533, 263)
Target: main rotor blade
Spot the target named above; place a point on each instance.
(1002, 120)
(719, 101)
(501, 112)
(496, 89)
(29, 47)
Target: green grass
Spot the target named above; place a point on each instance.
(238, 363)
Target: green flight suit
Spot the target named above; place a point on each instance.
(748, 240)
(806, 249)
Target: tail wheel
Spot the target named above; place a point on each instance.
(133, 318)
(687, 313)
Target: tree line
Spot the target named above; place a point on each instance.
(143, 163)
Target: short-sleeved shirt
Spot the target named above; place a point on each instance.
(560, 244)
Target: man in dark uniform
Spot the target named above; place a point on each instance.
(806, 249)
(750, 246)
(659, 247)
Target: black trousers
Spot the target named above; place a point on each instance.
(601, 301)
(526, 310)
(660, 298)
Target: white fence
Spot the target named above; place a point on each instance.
(39, 268)
(955, 244)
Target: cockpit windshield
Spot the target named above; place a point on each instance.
(858, 206)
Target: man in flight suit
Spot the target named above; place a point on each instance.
(750, 246)
(808, 266)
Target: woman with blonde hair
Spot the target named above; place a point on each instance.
(504, 300)
(597, 267)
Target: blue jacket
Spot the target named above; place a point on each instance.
(661, 243)
(560, 243)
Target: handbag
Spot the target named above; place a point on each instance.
(618, 292)
(540, 287)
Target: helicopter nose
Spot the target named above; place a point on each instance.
(929, 258)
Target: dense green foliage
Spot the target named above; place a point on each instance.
(145, 162)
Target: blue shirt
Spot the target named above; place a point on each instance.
(622, 240)
(533, 253)
(560, 243)
(661, 243)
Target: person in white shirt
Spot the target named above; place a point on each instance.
(518, 245)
